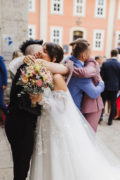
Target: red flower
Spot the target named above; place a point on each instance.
(39, 83)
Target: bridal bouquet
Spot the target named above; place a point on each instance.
(35, 78)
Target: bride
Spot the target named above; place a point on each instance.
(65, 147)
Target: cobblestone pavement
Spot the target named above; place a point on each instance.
(110, 135)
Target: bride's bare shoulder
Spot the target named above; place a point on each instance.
(59, 82)
(57, 77)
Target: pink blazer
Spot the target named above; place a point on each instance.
(91, 70)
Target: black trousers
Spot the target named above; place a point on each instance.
(21, 138)
(110, 96)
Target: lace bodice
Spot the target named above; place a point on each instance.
(50, 98)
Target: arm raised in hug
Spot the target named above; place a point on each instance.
(90, 89)
(90, 70)
(55, 68)
(85, 72)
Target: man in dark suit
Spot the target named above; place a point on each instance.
(110, 73)
(3, 84)
(21, 121)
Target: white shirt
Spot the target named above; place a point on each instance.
(114, 57)
(15, 64)
(82, 62)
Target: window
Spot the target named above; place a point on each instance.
(98, 39)
(56, 35)
(100, 8)
(79, 7)
(77, 32)
(56, 6)
(31, 5)
(31, 31)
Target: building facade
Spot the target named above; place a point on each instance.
(13, 30)
(62, 21)
(13, 25)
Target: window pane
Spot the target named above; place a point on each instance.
(100, 2)
(98, 40)
(56, 6)
(100, 8)
(56, 35)
(79, 7)
(31, 5)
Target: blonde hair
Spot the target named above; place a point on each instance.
(16, 54)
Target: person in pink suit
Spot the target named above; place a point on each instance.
(91, 108)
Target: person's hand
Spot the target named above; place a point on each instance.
(69, 65)
(100, 79)
(40, 61)
(38, 55)
(29, 60)
(35, 98)
(4, 87)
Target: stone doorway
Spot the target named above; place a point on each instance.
(77, 34)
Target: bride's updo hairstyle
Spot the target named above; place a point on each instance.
(54, 51)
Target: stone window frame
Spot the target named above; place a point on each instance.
(102, 6)
(119, 10)
(98, 40)
(33, 28)
(32, 8)
(82, 4)
(53, 37)
(117, 38)
(77, 29)
(57, 3)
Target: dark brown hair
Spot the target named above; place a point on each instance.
(78, 40)
(97, 57)
(54, 51)
(29, 42)
(80, 47)
(114, 52)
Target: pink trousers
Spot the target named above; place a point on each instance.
(93, 119)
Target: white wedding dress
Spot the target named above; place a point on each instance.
(65, 146)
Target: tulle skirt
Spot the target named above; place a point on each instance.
(66, 147)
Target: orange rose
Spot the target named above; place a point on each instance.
(25, 80)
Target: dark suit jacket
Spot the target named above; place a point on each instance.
(110, 72)
(3, 73)
(21, 116)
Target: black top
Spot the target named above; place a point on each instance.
(110, 72)
(21, 116)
